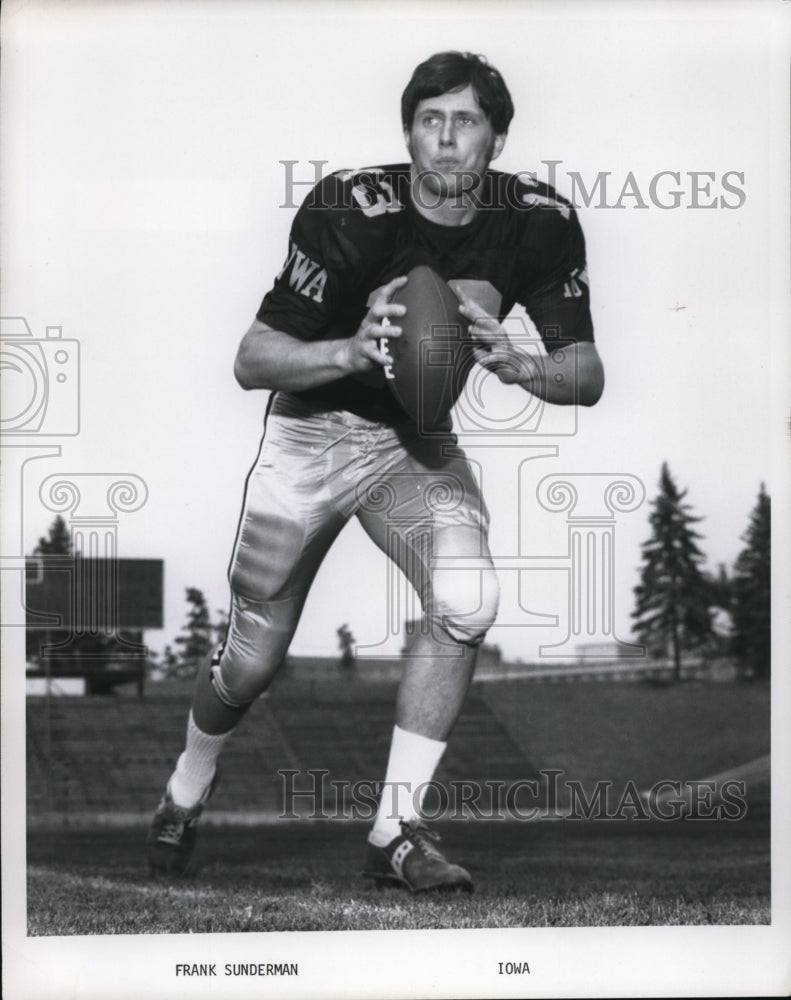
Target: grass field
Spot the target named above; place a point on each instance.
(305, 876)
(91, 761)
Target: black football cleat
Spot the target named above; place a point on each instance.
(172, 835)
(413, 860)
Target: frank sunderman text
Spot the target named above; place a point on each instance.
(238, 969)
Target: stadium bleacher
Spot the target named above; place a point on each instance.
(105, 759)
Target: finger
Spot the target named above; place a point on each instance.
(379, 355)
(374, 331)
(460, 293)
(482, 355)
(390, 288)
(486, 334)
(383, 309)
(505, 366)
(472, 311)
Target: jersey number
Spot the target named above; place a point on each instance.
(375, 196)
(571, 289)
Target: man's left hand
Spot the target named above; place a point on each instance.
(491, 345)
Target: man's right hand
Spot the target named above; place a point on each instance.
(363, 352)
(270, 359)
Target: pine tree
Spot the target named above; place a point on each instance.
(198, 638)
(752, 593)
(346, 643)
(57, 541)
(672, 599)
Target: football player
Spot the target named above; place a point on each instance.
(337, 445)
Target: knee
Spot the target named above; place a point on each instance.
(234, 687)
(465, 603)
(255, 647)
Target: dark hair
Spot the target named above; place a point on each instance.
(448, 71)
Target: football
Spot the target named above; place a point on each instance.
(432, 356)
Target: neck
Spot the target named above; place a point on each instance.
(449, 210)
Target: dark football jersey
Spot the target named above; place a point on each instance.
(359, 229)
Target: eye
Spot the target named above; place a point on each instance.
(430, 120)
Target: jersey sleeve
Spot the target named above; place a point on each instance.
(313, 285)
(556, 296)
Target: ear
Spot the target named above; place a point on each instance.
(499, 142)
(408, 140)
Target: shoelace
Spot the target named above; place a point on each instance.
(422, 836)
(171, 832)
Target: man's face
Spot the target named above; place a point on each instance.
(451, 142)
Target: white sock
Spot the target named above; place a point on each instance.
(413, 760)
(196, 766)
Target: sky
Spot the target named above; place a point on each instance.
(143, 214)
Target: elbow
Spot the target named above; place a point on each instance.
(240, 372)
(590, 385)
(256, 365)
(244, 366)
(591, 393)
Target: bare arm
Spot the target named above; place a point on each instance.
(570, 375)
(272, 359)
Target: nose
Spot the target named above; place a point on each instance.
(447, 136)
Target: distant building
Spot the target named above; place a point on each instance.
(612, 650)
